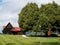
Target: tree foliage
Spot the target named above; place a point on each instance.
(29, 16)
(47, 16)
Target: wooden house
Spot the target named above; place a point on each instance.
(9, 29)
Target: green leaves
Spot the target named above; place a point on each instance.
(28, 16)
(47, 16)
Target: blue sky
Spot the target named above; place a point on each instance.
(9, 10)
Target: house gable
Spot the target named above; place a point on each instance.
(7, 29)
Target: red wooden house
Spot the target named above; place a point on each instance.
(9, 29)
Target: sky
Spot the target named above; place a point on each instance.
(9, 10)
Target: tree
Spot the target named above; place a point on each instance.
(34, 18)
(51, 10)
(29, 16)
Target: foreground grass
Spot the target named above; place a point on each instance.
(19, 40)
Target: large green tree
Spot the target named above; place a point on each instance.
(47, 16)
(51, 10)
(29, 16)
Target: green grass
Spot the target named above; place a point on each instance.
(19, 40)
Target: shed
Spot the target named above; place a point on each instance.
(9, 29)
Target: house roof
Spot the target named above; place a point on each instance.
(14, 28)
(9, 27)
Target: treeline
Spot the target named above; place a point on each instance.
(41, 18)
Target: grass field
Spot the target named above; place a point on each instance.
(19, 40)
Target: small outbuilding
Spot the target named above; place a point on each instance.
(9, 29)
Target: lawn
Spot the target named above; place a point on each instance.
(19, 40)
